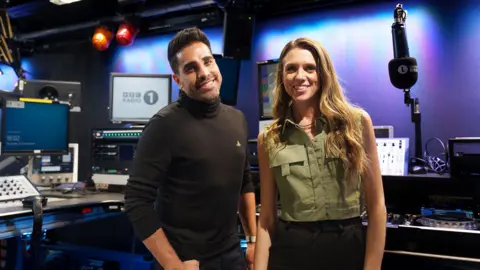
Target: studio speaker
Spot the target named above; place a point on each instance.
(237, 34)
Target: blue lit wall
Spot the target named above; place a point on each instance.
(359, 42)
(9, 78)
(442, 36)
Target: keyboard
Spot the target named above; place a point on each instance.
(15, 188)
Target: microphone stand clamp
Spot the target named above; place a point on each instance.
(416, 165)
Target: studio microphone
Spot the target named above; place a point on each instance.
(402, 69)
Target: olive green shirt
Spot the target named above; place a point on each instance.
(312, 185)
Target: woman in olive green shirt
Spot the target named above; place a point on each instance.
(320, 155)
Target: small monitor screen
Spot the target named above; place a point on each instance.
(54, 163)
(266, 76)
(136, 98)
(230, 69)
(34, 128)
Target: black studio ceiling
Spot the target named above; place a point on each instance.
(41, 20)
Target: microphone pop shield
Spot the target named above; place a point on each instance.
(403, 72)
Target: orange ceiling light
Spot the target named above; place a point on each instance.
(102, 38)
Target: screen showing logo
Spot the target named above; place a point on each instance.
(137, 99)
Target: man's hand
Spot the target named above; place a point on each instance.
(191, 265)
(249, 256)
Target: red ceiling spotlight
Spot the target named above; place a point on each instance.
(102, 38)
(126, 34)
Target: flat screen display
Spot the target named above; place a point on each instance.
(54, 163)
(135, 98)
(266, 76)
(34, 128)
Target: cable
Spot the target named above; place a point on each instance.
(132, 261)
(437, 163)
(3, 254)
(36, 235)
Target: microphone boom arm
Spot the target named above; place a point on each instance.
(416, 116)
(403, 75)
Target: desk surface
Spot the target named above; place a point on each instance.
(418, 176)
(60, 212)
(65, 203)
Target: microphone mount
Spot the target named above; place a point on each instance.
(416, 118)
(416, 165)
(399, 14)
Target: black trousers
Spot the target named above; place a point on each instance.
(232, 259)
(325, 245)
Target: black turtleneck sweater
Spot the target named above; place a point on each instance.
(192, 161)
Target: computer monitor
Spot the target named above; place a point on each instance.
(266, 83)
(61, 91)
(32, 128)
(135, 98)
(230, 69)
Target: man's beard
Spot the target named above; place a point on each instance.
(207, 97)
(213, 100)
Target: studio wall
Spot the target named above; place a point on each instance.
(78, 62)
(8, 78)
(442, 36)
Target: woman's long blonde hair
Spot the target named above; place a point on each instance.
(343, 119)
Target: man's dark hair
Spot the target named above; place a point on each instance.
(183, 39)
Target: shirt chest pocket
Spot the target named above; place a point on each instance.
(333, 168)
(291, 161)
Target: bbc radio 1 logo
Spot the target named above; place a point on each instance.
(150, 97)
(403, 69)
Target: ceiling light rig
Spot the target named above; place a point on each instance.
(63, 2)
(125, 35)
(102, 38)
(222, 3)
(9, 51)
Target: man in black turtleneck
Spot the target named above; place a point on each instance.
(192, 163)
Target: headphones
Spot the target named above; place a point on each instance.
(438, 162)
